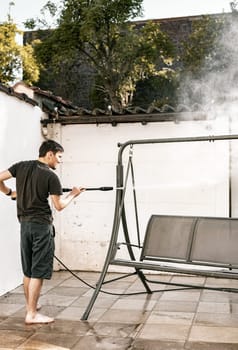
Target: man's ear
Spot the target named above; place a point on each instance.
(49, 154)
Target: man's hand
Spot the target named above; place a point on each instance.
(76, 191)
(62, 202)
(14, 195)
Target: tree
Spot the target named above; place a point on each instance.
(210, 69)
(203, 49)
(207, 55)
(157, 90)
(14, 57)
(47, 19)
(234, 5)
(119, 51)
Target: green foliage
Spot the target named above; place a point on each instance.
(157, 90)
(210, 60)
(14, 57)
(234, 5)
(204, 48)
(48, 14)
(30, 66)
(98, 33)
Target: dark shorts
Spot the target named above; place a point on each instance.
(37, 249)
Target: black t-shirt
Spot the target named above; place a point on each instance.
(34, 182)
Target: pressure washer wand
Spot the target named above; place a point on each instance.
(104, 188)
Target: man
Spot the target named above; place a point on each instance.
(35, 182)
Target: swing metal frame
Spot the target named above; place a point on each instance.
(120, 219)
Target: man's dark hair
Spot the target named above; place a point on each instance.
(50, 145)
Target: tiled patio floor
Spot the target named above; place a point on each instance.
(167, 320)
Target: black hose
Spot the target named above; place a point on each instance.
(93, 287)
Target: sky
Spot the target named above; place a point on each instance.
(24, 9)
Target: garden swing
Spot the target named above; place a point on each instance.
(191, 245)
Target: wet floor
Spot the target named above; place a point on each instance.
(166, 320)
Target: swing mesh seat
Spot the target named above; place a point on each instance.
(194, 240)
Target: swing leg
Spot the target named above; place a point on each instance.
(96, 292)
(143, 280)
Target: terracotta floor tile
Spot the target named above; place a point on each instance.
(13, 338)
(167, 320)
(50, 339)
(163, 317)
(103, 343)
(165, 332)
(214, 334)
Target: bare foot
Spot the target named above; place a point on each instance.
(38, 307)
(38, 318)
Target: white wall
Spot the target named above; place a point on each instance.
(186, 179)
(20, 138)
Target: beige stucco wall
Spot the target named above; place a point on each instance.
(186, 179)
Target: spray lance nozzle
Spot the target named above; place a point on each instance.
(103, 188)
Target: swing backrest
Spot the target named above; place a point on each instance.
(196, 240)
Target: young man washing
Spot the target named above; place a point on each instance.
(35, 183)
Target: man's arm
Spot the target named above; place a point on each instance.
(5, 175)
(62, 202)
